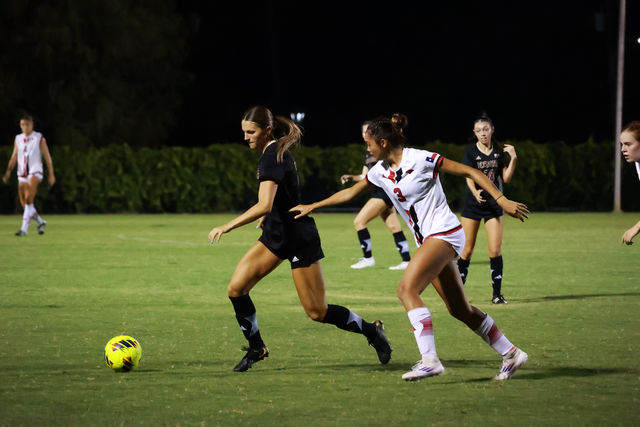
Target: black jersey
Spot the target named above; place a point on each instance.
(491, 165)
(369, 160)
(288, 238)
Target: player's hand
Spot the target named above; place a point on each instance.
(302, 210)
(345, 178)
(260, 221)
(52, 180)
(5, 178)
(478, 196)
(215, 235)
(515, 209)
(627, 237)
(511, 150)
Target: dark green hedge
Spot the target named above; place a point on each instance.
(219, 178)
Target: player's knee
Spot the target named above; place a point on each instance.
(404, 292)
(316, 314)
(359, 224)
(461, 313)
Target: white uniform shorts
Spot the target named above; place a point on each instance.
(28, 177)
(454, 237)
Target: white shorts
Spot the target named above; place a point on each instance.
(455, 238)
(28, 177)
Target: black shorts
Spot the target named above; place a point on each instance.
(479, 211)
(299, 243)
(378, 193)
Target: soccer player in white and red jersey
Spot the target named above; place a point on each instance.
(630, 147)
(28, 149)
(410, 178)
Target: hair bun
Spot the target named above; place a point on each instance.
(399, 121)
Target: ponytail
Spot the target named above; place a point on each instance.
(287, 133)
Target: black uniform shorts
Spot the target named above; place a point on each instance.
(299, 242)
(478, 211)
(378, 193)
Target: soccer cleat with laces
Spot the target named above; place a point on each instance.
(253, 355)
(511, 362)
(20, 233)
(364, 263)
(425, 368)
(41, 227)
(402, 266)
(381, 343)
(499, 299)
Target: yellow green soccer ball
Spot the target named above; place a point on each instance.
(122, 353)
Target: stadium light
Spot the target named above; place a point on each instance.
(297, 117)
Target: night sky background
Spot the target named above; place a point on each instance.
(544, 70)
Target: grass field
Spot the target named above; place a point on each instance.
(573, 288)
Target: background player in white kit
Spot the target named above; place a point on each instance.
(28, 149)
(630, 147)
(410, 178)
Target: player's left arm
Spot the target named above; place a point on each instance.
(44, 149)
(627, 237)
(515, 209)
(507, 172)
(266, 196)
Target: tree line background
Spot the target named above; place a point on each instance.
(105, 82)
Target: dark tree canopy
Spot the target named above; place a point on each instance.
(93, 72)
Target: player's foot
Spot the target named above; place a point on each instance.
(41, 227)
(20, 233)
(402, 266)
(253, 355)
(499, 299)
(364, 263)
(381, 343)
(510, 363)
(425, 368)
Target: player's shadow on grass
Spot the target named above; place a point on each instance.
(569, 297)
(560, 371)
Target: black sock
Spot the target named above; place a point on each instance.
(345, 319)
(247, 319)
(463, 268)
(496, 275)
(365, 242)
(402, 245)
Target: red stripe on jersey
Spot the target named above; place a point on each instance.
(444, 233)
(494, 334)
(436, 169)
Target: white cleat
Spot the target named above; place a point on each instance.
(402, 266)
(511, 362)
(364, 263)
(424, 369)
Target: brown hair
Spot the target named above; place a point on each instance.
(26, 117)
(391, 129)
(634, 128)
(284, 130)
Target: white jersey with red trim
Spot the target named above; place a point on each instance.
(29, 155)
(416, 192)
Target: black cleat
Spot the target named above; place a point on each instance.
(252, 356)
(499, 299)
(381, 343)
(20, 233)
(41, 227)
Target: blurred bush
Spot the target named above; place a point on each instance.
(220, 178)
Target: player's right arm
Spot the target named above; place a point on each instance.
(341, 196)
(627, 237)
(266, 195)
(12, 162)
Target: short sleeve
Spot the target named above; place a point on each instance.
(269, 169)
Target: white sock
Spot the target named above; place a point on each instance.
(34, 214)
(489, 332)
(26, 217)
(420, 319)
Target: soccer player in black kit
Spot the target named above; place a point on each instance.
(488, 156)
(283, 237)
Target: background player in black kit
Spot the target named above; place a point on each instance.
(283, 237)
(378, 205)
(488, 156)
